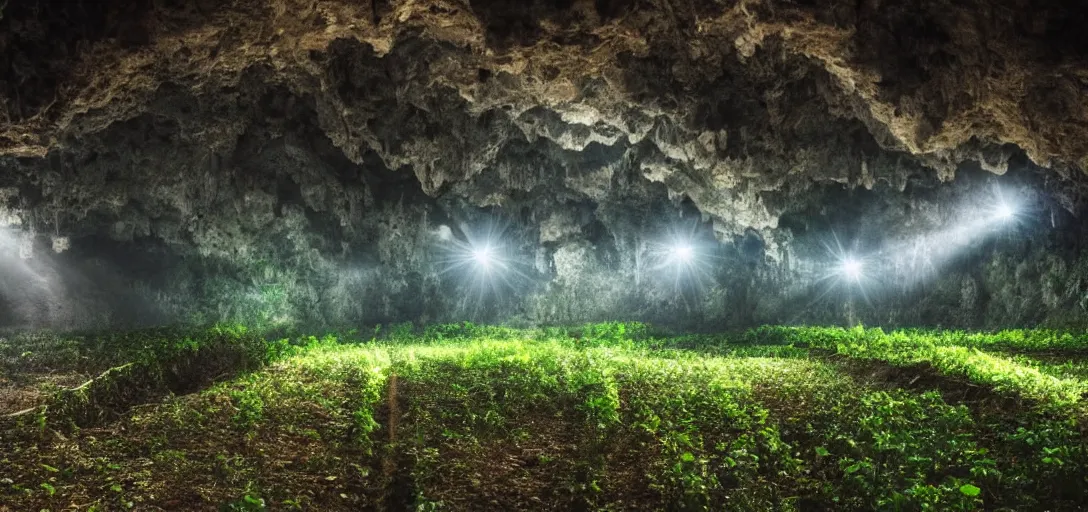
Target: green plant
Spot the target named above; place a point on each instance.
(249, 407)
(246, 503)
(770, 418)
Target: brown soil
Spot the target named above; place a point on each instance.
(984, 401)
(30, 390)
(396, 469)
(923, 377)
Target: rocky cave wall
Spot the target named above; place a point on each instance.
(288, 162)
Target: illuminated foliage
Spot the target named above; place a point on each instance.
(594, 417)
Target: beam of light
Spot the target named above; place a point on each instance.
(915, 260)
(30, 286)
(912, 261)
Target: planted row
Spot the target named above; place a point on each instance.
(1018, 340)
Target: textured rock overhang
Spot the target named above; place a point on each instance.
(294, 160)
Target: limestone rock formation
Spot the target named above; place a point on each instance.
(284, 161)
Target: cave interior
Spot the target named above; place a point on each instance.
(377, 168)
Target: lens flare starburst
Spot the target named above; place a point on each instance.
(482, 264)
(1004, 212)
(682, 253)
(851, 269)
(683, 259)
(483, 257)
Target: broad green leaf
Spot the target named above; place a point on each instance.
(970, 490)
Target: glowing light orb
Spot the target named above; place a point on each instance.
(1004, 212)
(851, 268)
(683, 253)
(681, 260)
(482, 256)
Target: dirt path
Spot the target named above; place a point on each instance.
(396, 467)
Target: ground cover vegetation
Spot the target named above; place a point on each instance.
(609, 416)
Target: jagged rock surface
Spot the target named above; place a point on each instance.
(288, 161)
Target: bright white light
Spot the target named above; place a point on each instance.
(683, 259)
(482, 256)
(683, 253)
(1004, 212)
(851, 268)
(482, 262)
